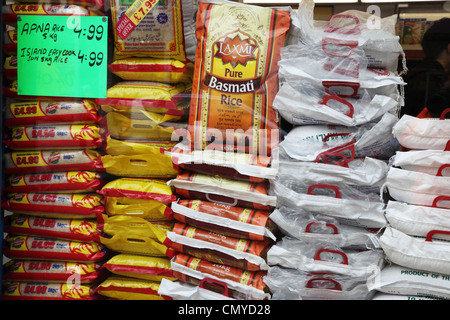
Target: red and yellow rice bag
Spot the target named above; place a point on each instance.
(55, 205)
(151, 69)
(12, 11)
(68, 229)
(231, 221)
(26, 113)
(10, 68)
(54, 137)
(150, 96)
(10, 41)
(225, 191)
(61, 182)
(44, 290)
(38, 248)
(140, 267)
(124, 288)
(219, 248)
(53, 271)
(236, 77)
(21, 162)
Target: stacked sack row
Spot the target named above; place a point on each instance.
(142, 111)
(334, 160)
(415, 241)
(222, 231)
(52, 175)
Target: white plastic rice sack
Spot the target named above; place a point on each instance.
(179, 290)
(358, 213)
(418, 188)
(397, 280)
(425, 254)
(320, 107)
(422, 133)
(306, 226)
(290, 284)
(417, 220)
(325, 257)
(312, 142)
(434, 162)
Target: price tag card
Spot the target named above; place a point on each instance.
(62, 56)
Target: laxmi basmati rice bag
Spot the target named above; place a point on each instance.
(235, 76)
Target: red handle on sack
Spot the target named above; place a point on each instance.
(324, 186)
(433, 232)
(439, 198)
(441, 168)
(338, 42)
(325, 139)
(351, 109)
(326, 155)
(354, 73)
(320, 251)
(444, 113)
(354, 86)
(336, 285)
(215, 286)
(329, 225)
(354, 30)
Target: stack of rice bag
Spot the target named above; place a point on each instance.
(144, 107)
(222, 231)
(52, 175)
(418, 213)
(339, 90)
(149, 99)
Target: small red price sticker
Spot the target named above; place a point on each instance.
(133, 16)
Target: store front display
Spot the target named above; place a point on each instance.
(216, 150)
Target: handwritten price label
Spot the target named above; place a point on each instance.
(60, 56)
(133, 16)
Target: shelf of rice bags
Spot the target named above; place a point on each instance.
(52, 172)
(142, 114)
(416, 239)
(340, 91)
(226, 158)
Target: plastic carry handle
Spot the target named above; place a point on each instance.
(209, 197)
(215, 286)
(353, 86)
(433, 232)
(444, 113)
(438, 199)
(351, 109)
(312, 187)
(335, 285)
(338, 42)
(342, 254)
(328, 157)
(343, 30)
(441, 168)
(329, 225)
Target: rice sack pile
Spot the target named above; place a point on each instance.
(340, 92)
(53, 171)
(223, 232)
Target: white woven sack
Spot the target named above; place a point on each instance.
(351, 212)
(325, 257)
(417, 220)
(305, 226)
(387, 296)
(422, 133)
(178, 290)
(303, 109)
(290, 284)
(416, 253)
(398, 280)
(418, 188)
(434, 162)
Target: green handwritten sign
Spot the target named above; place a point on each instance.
(63, 56)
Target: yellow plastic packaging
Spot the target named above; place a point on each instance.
(151, 210)
(123, 288)
(117, 147)
(140, 267)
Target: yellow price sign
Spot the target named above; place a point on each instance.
(133, 16)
